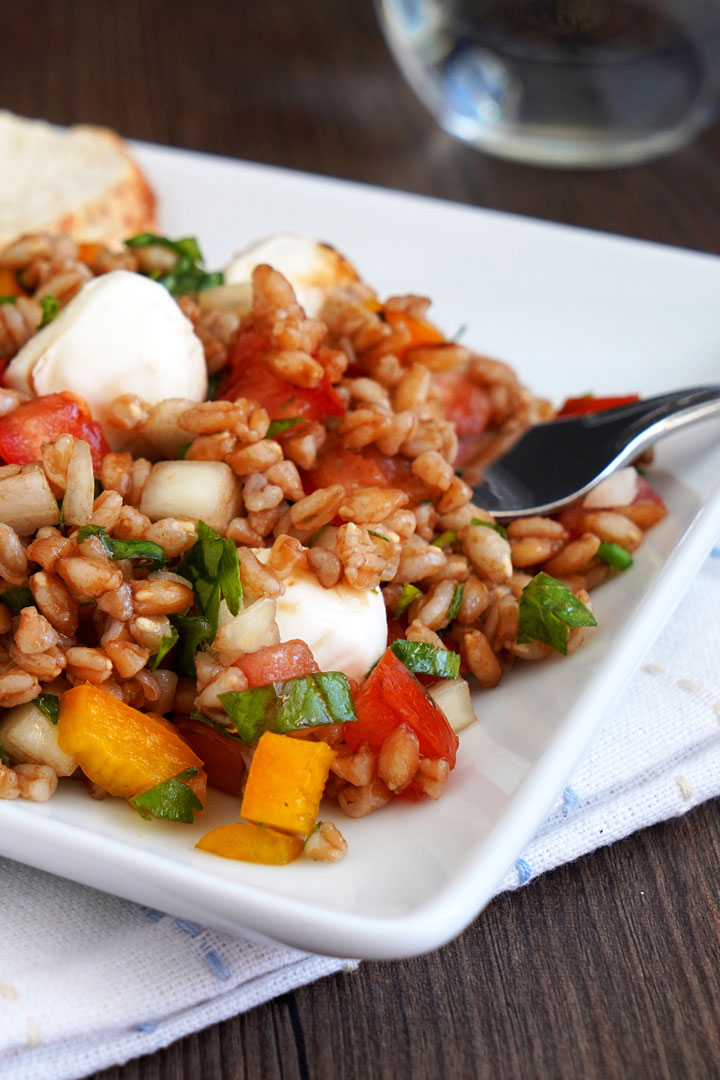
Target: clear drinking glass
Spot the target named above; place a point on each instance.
(562, 82)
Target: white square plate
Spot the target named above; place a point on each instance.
(571, 311)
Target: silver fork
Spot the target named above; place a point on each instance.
(555, 463)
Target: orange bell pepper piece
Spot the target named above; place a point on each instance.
(8, 283)
(420, 331)
(252, 843)
(120, 748)
(286, 782)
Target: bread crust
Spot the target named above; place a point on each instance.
(124, 209)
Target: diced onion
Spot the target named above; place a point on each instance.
(197, 490)
(26, 501)
(254, 627)
(26, 735)
(617, 490)
(80, 486)
(454, 698)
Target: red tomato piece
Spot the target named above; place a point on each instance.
(248, 376)
(368, 468)
(578, 406)
(275, 663)
(467, 405)
(220, 754)
(25, 430)
(391, 696)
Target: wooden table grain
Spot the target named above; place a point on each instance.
(607, 968)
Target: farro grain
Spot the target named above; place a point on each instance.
(13, 560)
(325, 843)
(89, 577)
(480, 658)
(357, 802)
(161, 597)
(399, 758)
(372, 504)
(36, 783)
(216, 447)
(614, 527)
(33, 633)
(325, 565)
(17, 687)
(488, 551)
(532, 550)
(257, 580)
(53, 599)
(432, 776)
(287, 478)
(88, 664)
(257, 457)
(574, 557)
(128, 658)
(357, 768)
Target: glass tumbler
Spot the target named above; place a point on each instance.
(575, 83)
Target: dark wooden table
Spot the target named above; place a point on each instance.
(608, 967)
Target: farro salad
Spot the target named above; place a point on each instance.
(236, 547)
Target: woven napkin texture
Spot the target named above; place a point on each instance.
(88, 981)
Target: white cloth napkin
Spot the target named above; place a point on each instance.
(88, 981)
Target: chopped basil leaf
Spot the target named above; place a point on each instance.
(277, 427)
(172, 800)
(167, 643)
(615, 555)
(50, 309)
(194, 632)
(123, 549)
(408, 594)
(4, 759)
(10, 298)
(188, 274)
(547, 612)
(378, 536)
(182, 451)
(424, 659)
(445, 538)
(49, 706)
(455, 602)
(212, 385)
(293, 705)
(317, 536)
(490, 525)
(17, 597)
(459, 333)
(211, 566)
(198, 716)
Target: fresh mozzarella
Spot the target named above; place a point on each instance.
(122, 334)
(312, 268)
(345, 629)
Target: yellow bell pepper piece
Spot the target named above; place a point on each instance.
(252, 843)
(123, 750)
(286, 782)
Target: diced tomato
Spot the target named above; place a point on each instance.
(247, 375)
(391, 696)
(578, 406)
(221, 754)
(25, 430)
(367, 468)
(467, 405)
(420, 331)
(275, 663)
(645, 492)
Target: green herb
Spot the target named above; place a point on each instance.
(211, 566)
(4, 759)
(277, 427)
(424, 659)
(49, 706)
(50, 309)
(408, 594)
(378, 536)
(17, 597)
(182, 451)
(312, 832)
(445, 538)
(198, 716)
(194, 632)
(8, 299)
(490, 525)
(293, 705)
(172, 800)
(317, 536)
(212, 385)
(547, 612)
(459, 333)
(615, 555)
(167, 643)
(188, 275)
(455, 602)
(123, 549)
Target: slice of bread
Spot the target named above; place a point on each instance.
(81, 180)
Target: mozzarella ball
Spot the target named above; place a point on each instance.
(122, 334)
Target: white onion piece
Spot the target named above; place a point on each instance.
(27, 735)
(80, 486)
(454, 698)
(252, 628)
(617, 490)
(198, 490)
(26, 501)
